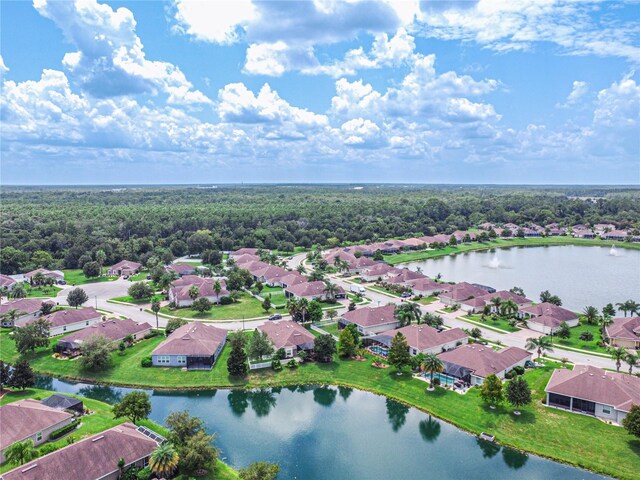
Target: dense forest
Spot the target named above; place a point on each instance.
(65, 227)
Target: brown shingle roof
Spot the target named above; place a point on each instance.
(205, 287)
(422, 337)
(372, 316)
(626, 328)
(596, 385)
(128, 264)
(463, 291)
(550, 310)
(310, 289)
(25, 305)
(193, 339)
(6, 281)
(242, 251)
(425, 284)
(89, 459)
(483, 360)
(114, 330)
(287, 333)
(181, 268)
(21, 419)
(65, 317)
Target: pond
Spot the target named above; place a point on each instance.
(579, 275)
(323, 432)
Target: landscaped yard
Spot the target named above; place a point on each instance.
(76, 277)
(380, 289)
(138, 277)
(427, 300)
(246, 307)
(500, 322)
(43, 291)
(331, 328)
(277, 295)
(575, 342)
(130, 299)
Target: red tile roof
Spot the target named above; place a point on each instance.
(625, 327)
(550, 310)
(67, 316)
(114, 330)
(422, 337)
(310, 289)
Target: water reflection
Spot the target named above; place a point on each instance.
(345, 392)
(324, 395)
(397, 414)
(429, 429)
(514, 459)
(262, 401)
(489, 449)
(103, 393)
(238, 401)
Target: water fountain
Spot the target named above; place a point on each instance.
(614, 252)
(495, 261)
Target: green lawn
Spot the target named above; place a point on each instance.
(43, 291)
(380, 289)
(130, 299)
(277, 295)
(76, 277)
(412, 256)
(427, 300)
(575, 342)
(499, 322)
(331, 328)
(138, 277)
(246, 306)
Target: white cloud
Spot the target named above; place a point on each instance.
(361, 132)
(215, 21)
(578, 90)
(3, 68)
(110, 60)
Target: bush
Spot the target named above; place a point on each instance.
(64, 430)
(292, 364)
(152, 333)
(146, 362)
(226, 300)
(47, 448)
(281, 354)
(436, 382)
(276, 364)
(510, 374)
(519, 369)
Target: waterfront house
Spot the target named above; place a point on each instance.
(29, 420)
(618, 235)
(593, 391)
(114, 330)
(311, 291)
(547, 317)
(583, 233)
(67, 320)
(427, 287)
(624, 332)
(27, 308)
(194, 346)
(289, 335)
(460, 292)
(422, 338)
(477, 304)
(124, 268)
(402, 276)
(371, 320)
(472, 363)
(179, 293)
(94, 457)
(63, 402)
(376, 272)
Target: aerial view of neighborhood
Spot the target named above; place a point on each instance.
(319, 239)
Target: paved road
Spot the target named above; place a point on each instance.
(516, 339)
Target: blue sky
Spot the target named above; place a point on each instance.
(488, 91)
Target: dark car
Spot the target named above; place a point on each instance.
(529, 364)
(277, 316)
(405, 295)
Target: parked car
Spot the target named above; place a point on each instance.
(529, 364)
(357, 289)
(405, 295)
(275, 316)
(126, 277)
(148, 277)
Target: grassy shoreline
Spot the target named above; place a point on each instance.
(574, 439)
(414, 256)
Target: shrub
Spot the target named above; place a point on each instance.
(436, 382)
(276, 364)
(519, 369)
(64, 430)
(226, 301)
(146, 362)
(281, 354)
(510, 374)
(47, 448)
(152, 333)
(292, 364)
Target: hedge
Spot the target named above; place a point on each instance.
(64, 430)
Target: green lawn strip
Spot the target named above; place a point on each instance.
(76, 277)
(574, 341)
(332, 328)
(500, 324)
(43, 291)
(384, 291)
(130, 299)
(427, 300)
(246, 306)
(413, 256)
(568, 437)
(138, 277)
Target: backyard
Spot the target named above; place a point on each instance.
(246, 307)
(497, 322)
(42, 291)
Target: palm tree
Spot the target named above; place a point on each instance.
(155, 308)
(632, 360)
(293, 307)
(623, 307)
(37, 279)
(300, 269)
(509, 308)
(20, 452)
(634, 307)
(19, 291)
(303, 304)
(163, 460)
(330, 290)
(590, 314)
(431, 364)
(217, 288)
(496, 301)
(618, 354)
(101, 257)
(316, 276)
(194, 291)
(10, 316)
(541, 344)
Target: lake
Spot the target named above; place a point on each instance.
(579, 275)
(322, 432)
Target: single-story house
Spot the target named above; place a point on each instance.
(7, 282)
(477, 304)
(290, 278)
(593, 391)
(245, 251)
(68, 320)
(460, 292)
(63, 402)
(413, 243)
(181, 269)
(114, 330)
(624, 332)
(269, 274)
(29, 420)
(530, 232)
(194, 346)
(427, 287)
(179, 291)
(472, 363)
(289, 335)
(547, 317)
(311, 291)
(371, 320)
(403, 275)
(245, 258)
(556, 232)
(124, 267)
(376, 272)
(94, 457)
(423, 338)
(619, 235)
(27, 308)
(56, 275)
(583, 233)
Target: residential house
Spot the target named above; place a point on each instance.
(460, 292)
(618, 235)
(487, 226)
(27, 308)
(289, 279)
(311, 291)
(583, 233)
(94, 457)
(423, 338)
(601, 228)
(245, 258)
(180, 291)
(547, 317)
(427, 287)
(593, 391)
(56, 275)
(289, 335)
(64, 402)
(472, 363)
(376, 272)
(181, 269)
(371, 320)
(413, 244)
(624, 332)
(124, 268)
(68, 320)
(403, 275)
(114, 330)
(477, 304)
(461, 235)
(194, 346)
(245, 251)
(29, 420)
(7, 283)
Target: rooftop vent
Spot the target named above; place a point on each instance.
(98, 438)
(30, 467)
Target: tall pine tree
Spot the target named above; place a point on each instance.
(237, 363)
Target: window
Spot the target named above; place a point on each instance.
(606, 410)
(163, 359)
(181, 359)
(38, 436)
(87, 322)
(64, 329)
